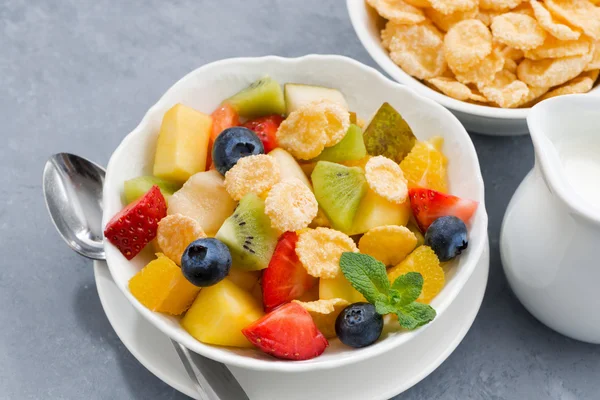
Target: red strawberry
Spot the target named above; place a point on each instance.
(135, 226)
(222, 118)
(285, 279)
(428, 205)
(266, 128)
(288, 333)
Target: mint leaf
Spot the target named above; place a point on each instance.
(407, 288)
(367, 275)
(384, 308)
(415, 314)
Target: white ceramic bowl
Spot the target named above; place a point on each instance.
(365, 89)
(478, 119)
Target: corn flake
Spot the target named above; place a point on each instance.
(499, 5)
(452, 6)
(386, 179)
(389, 244)
(554, 48)
(595, 62)
(398, 11)
(417, 50)
(518, 31)
(253, 174)
(291, 205)
(324, 313)
(579, 13)
(389, 32)
(582, 84)
(320, 250)
(552, 71)
(455, 89)
(485, 71)
(466, 44)
(549, 23)
(174, 234)
(419, 3)
(486, 16)
(505, 90)
(446, 21)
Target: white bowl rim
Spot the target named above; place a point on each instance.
(384, 61)
(215, 352)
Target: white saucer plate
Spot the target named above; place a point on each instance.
(387, 375)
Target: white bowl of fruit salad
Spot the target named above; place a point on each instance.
(254, 217)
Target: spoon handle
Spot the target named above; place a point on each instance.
(212, 380)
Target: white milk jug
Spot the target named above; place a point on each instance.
(550, 238)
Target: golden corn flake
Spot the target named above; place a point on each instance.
(419, 3)
(291, 205)
(175, 233)
(455, 89)
(579, 13)
(386, 179)
(552, 71)
(518, 31)
(446, 21)
(510, 53)
(417, 50)
(485, 71)
(452, 6)
(582, 84)
(595, 62)
(525, 9)
(312, 127)
(466, 44)
(389, 32)
(510, 65)
(389, 244)
(505, 90)
(499, 5)
(553, 26)
(554, 48)
(486, 16)
(398, 11)
(320, 249)
(324, 313)
(253, 174)
(534, 96)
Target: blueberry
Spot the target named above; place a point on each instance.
(233, 144)
(359, 325)
(447, 236)
(206, 262)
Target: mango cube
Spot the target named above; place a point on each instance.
(160, 286)
(339, 288)
(375, 210)
(219, 314)
(182, 144)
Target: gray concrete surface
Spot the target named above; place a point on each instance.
(77, 75)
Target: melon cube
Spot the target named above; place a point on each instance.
(219, 314)
(339, 288)
(375, 211)
(160, 286)
(182, 144)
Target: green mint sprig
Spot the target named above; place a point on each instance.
(369, 277)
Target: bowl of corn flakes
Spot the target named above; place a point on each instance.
(488, 61)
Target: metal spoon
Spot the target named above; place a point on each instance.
(73, 193)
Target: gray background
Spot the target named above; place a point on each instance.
(78, 75)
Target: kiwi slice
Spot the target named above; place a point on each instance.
(137, 187)
(262, 97)
(339, 190)
(249, 235)
(388, 134)
(351, 147)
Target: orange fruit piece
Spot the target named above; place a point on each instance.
(160, 286)
(425, 166)
(424, 261)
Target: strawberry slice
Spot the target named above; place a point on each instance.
(135, 226)
(222, 118)
(266, 129)
(285, 279)
(288, 332)
(428, 205)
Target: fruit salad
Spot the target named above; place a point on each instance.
(282, 221)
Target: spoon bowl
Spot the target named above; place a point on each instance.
(73, 193)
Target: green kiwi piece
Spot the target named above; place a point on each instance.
(339, 190)
(248, 234)
(137, 187)
(351, 147)
(262, 97)
(389, 135)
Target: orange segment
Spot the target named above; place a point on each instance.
(424, 261)
(425, 166)
(160, 286)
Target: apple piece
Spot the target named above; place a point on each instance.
(375, 210)
(297, 94)
(288, 166)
